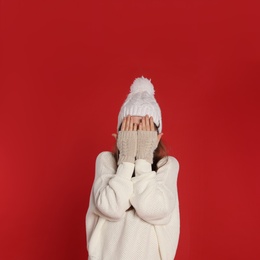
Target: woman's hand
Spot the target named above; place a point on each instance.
(128, 124)
(147, 139)
(140, 144)
(147, 124)
(127, 141)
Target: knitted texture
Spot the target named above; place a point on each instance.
(147, 142)
(133, 218)
(127, 145)
(141, 102)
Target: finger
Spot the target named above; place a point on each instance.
(135, 127)
(123, 124)
(127, 123)
(143, 124)
(115, 135)
(140, 126)
(147, 125)
(131, 124)
(151, 124)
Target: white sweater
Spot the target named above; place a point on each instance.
(149, 230)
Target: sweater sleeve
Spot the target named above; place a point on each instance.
(155, 194)
(112, 187)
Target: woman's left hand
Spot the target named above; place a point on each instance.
(147, 124)
(147, 139)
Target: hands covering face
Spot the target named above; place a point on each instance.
(137, 140)
(146, 123)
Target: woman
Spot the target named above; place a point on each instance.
(134, 210)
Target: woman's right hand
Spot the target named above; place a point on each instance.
(128, 124)
(127, 141)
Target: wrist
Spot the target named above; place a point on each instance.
(147, 142)
(127, 145)
(142, 167)
(125, 158)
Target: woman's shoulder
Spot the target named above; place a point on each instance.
(105, 155)
(169, 161)
(106, 158)
(173, 160)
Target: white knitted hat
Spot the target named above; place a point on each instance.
(140, 102)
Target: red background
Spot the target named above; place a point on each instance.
(66, 68)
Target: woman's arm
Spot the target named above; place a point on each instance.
(155, 195)
(112, 187)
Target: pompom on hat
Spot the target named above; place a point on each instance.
(140, 102)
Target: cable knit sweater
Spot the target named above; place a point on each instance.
(133, 218)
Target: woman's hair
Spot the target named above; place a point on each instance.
(159, 153)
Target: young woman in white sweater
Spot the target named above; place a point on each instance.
(134, 209)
